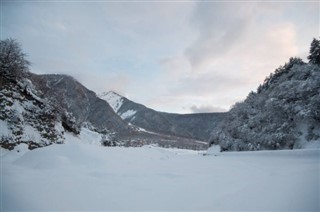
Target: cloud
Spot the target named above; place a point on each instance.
(244, 36)
(217, 37)
(206, 109)
(232, 57)
(168, 55)
(176, 66)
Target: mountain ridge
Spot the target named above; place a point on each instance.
(196, 126)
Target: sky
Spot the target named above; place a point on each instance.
(172, 56)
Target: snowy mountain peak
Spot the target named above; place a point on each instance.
(111, 93)
(115, 100)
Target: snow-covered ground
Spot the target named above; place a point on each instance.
(79, 176)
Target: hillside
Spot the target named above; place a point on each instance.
(27, 118)
(81, 102)
(284, 113)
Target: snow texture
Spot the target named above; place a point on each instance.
(31, 134)
(79, 176)
(113, 99)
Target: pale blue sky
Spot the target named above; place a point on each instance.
(174, 56)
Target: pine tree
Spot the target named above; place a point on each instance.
(314, 56)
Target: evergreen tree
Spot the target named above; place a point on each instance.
(314, 56)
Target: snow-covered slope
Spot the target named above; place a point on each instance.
(284, 113)
(78, 176)
(114, 100)
(27, 118)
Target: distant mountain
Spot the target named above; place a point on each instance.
(196, 126)
(95, 113)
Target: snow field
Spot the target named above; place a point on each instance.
(79, 176)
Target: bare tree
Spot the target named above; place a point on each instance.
(13, 64)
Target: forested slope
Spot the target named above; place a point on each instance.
(284, 113)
